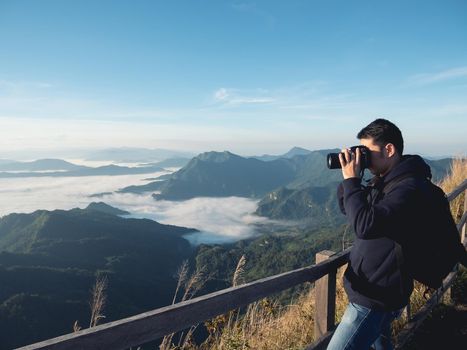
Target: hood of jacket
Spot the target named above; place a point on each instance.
(409, 164)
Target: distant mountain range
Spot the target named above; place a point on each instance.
(61, 168)
(221, 174)
(295, 151)
(293, 178)
(111, 155)
(40, 165)
(49, 261)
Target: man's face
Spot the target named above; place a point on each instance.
(379, 159)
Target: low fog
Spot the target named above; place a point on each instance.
(219, 220)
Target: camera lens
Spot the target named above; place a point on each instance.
(333, 161)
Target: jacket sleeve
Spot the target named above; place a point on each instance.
(380, 219)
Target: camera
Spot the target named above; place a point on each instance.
(334, 163)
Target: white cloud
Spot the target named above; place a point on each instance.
(28, 194)
(429, 78)
(221, 94)
(244, 121)
(17, 86)
(218, 219)
(237, 97)
(225, 219)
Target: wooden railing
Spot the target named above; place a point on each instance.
(152, 325)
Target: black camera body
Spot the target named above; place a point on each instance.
(334, 163)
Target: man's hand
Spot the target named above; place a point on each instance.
(350, 163)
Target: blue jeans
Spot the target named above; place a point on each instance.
(362, 327)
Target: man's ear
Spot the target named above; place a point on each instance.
(390, 150)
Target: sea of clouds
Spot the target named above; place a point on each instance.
(219, 220)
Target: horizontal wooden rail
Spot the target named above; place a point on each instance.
(457, 191)
(152, 325)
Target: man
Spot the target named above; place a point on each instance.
(377, 286)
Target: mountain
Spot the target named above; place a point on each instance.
(316, 206)
(105, 208)
(171, 163)
(149, 187)
(115, 170)
(106, 170)
(294, 151)
(221, 174)
(439, 167)
(161, 177)
(312, 198)
(225, 174)
(39, 165)
(435, 157)
(49, 261)
(312, 170)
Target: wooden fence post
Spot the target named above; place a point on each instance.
(325, 302)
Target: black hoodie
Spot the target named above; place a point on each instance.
(373, 278)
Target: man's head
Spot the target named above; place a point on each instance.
(384, 139)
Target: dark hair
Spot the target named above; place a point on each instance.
(382, 132)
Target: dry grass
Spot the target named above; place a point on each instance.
(341, 297)
(182, 275)
(456, 176)
(190, 285)
(76, 327)
(239, 270)
(97, 303)
(98, 300)
(267, 325)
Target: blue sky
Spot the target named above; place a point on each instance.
(251, 77)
